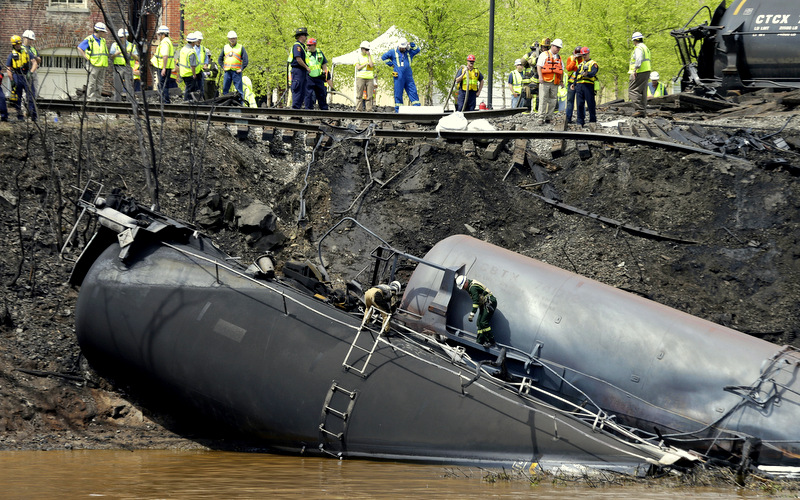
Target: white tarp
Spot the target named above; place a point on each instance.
(378, 47)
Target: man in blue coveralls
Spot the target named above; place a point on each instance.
(399, 59)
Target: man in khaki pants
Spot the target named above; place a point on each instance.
(365, 79)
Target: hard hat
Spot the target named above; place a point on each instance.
(534, 45)
(300, 32)
(636, 36)
(396, 286)
(311, 41)
(198, 35)
(577, 50)
(584, 50)
(232, 34)
(545, 42)
(29, 35)
(122, 32)
(471, 58)
(518, 62)
(191, 38)
(403, 43)
(364, 45)
(460, 280)
(163, 29)
(654, 75)
(16, 39)
(557, 43)
(100, 27)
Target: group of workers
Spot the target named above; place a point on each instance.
(21, 69)
(385, 298)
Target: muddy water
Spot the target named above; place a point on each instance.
(200, 474)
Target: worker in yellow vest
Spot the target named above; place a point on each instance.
(28, 37)
(18, 64)
(188, 67)
(365, 79)
(470, 83)
(233, 60)
(639, 69)
(318, 76)
(93, 48)
(585, 78)
(163, 61)
(656, 88)
(123, 71)
(137, 76)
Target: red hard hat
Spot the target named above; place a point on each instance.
(311, 41)
(471, 58)
(584, 51)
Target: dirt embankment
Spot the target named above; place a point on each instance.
(742, 270)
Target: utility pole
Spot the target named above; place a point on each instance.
(491, 52)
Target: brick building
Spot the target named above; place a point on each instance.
(60, 25)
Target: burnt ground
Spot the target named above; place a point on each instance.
(742, 269)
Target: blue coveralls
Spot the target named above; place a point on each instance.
(299, 75)
(401, 62)
(3, 108)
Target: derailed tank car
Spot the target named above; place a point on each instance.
(750, 44)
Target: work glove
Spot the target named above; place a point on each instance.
(394, 74)
(469, 318)
(413, 45)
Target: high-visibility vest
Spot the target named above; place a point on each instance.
(586, 66)
(367, 72)
(516, 79)
(232, 60)
(470, 81)
(572, 67)
(552, 70)
(98, 52)
(661, 90)
(291, 52)
(165, 48)
(20, 62)
(119, 58)
(645, 59)
(184, 61)
(314, 63)
(136, 74)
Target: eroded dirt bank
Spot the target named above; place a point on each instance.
(742, 269)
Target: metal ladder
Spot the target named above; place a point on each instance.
(369, 352)
(337, 396)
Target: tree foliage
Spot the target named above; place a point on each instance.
(447, 31)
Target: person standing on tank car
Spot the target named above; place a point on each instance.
(300, 70)
(483, 303)
(639, 69)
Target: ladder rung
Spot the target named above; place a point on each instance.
(336, 412)
(326, 431)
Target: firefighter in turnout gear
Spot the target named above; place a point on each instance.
(470, 84)
(483, 303)
(17, 66)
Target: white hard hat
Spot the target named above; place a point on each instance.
(163, 29)
(460, 280)
(364, 45)
(100, 27)
(517, 62)
(396, 286)
(29, 35)
(654, 75)
(198, 35)
(232, 34)
(122, 32)
(403, 43)
(636, 36)
(557, 43)
(191, 38)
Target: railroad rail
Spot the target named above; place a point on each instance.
(312, 120)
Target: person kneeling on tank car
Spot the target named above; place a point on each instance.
(385, 299)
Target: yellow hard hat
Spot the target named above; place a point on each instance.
(16, 39)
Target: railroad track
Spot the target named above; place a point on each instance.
(653, 135)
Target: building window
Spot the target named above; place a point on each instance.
(68, 4)
(62, 61)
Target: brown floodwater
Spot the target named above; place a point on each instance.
(214, 474)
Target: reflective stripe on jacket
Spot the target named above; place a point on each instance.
(470, 81)
(516, 85)
(233, 57)
(587, 72)
(20, 62)
(185, 61)
(165, 48)
(314, 63)
(661, 90)
(119, 57)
